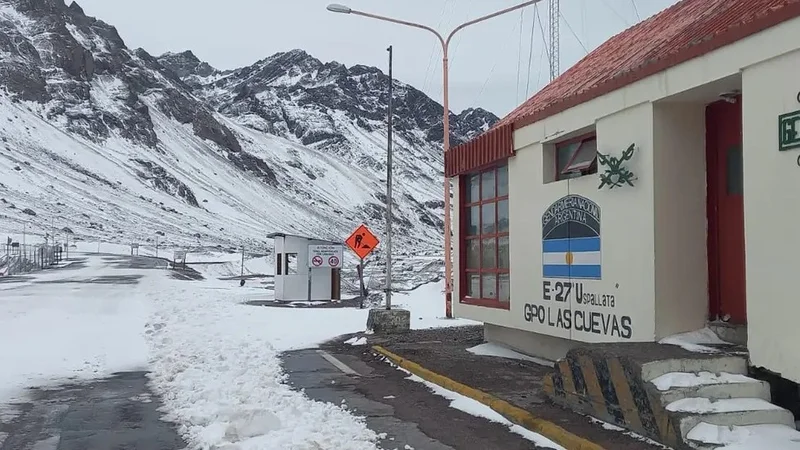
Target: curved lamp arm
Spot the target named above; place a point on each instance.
(487, 17)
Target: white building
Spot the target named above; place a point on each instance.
(702, 226)
(295, 277)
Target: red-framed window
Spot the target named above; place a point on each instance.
(485, 274)
(576, 157)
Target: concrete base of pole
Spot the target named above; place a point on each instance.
(389, 321)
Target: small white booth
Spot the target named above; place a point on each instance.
(307, 269)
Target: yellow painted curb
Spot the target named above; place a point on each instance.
(514, 414)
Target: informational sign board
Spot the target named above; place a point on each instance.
(362, 242)
(325, 256)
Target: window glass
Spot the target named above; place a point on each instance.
(564, 154)
(291, 263)
(489, 253)
(502, 216)
(587, 153)
(502, 181)
(473, 220)
(279, 264)
(487, 185)
(504, 292)
(503, 256)
(488, 225)
(473, 189)
(489, 286)
(474, 285)
(734, 175)
(473, 254)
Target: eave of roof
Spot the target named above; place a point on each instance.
(687, 30)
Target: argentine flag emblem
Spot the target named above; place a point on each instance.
(571, 239)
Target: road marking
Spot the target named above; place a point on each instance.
(338, 364)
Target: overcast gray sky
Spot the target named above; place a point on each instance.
(486, 59)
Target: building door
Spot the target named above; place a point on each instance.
(724, 166)
(336, 284)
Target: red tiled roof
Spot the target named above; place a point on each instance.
(686, 30)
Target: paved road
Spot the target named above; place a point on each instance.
(117, 413)
(405, 413)
(112, 414)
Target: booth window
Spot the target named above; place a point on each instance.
(576, 157)
(484, 238)
(291, 264)
(279, 264)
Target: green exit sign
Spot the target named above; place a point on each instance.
(789, 131)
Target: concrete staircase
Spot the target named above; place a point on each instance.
(686, 400)
(706, 397)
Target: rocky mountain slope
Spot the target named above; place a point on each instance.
(117, 145)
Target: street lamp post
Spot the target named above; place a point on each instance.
(342, 9)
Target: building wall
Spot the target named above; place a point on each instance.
(631, 253)
(295, 286)
(772, 211)
(626, 244)
(679, 157)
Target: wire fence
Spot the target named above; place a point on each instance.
(19, 259)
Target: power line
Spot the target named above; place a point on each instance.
(573, 34)
(433, 48)
(621, 17)
(494, 65)
(636, 10)
(519, 55)
(530, 59)
(544, 38)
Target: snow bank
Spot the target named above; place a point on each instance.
(492, 349)
(216, 364)
(752, 437)
(695, 341)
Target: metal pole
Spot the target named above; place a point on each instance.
(242, 261)
(448, 264)
(389, 191)
(446, 120)
(156, 246)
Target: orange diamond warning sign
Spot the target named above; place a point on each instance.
(362, 241)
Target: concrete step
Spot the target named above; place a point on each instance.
(706, 436)
(676, 386)
(716, 364)
(728, 412)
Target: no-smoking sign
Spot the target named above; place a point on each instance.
(316, 261)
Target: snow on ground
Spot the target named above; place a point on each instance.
(492, 349)
(216, 364)
(695, 341)
(685, 379)
(55, 331)
(752, 437)
(214, 361)
(478, 409)
(701, 405)
(636, 436)
(426, 304)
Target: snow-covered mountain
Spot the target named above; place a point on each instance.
(118, 145)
